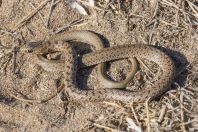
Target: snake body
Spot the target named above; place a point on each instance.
(108, 54)
(91, 38)
(119, 52)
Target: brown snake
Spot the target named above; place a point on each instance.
(40, 48)
(108, 54)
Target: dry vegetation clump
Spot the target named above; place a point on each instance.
(171, 24)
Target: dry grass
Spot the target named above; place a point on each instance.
(172, 24)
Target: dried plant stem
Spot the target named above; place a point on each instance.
(105, 127)
(50, 12)
(38, 13)
(30, 15)
(182, 112)
(148, 115)
(162, 113)
(135, 115)
(70, 24)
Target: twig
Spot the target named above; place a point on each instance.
(114, 105)
(182, 112)
(105, 127)
(50, 12)
(177, 14)
(81, 24)
(135, 115)
(151, 33)
(30, 15)
(168, 3)
(193, 7)
(38, 13)
(179, 102)
(148, 116)
(64, 27)
(132, 14)
(170, 24)
(162, 113)
(156, 5)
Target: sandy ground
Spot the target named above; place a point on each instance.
(167, 23)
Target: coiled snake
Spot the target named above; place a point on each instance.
(104, 55)
(39, 48)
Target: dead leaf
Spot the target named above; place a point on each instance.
(78, 7)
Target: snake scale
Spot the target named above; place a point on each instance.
(104, 55)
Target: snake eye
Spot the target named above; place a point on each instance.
(30, 51)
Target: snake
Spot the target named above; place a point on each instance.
(83, 36)
(72, 60)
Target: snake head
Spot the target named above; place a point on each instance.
(31, 47)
